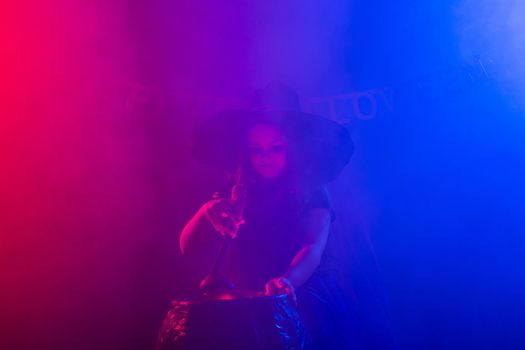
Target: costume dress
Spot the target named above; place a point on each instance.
(266, 244)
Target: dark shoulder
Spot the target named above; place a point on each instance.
(319, 197)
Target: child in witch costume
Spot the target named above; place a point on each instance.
(268, 234)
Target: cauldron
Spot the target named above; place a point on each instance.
(249, 323)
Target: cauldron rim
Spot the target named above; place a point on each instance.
(242, 299)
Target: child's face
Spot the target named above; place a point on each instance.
(268, 150)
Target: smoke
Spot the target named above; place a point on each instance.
(495, 31)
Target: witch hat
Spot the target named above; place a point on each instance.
(322, 146)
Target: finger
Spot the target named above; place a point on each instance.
(276, 288)
(229, 226)
(223, 226)
(290, 290)
(230, 222)
(271, 288)
(221, 214)
(227, 208)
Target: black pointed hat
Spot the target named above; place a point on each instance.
(322, 146)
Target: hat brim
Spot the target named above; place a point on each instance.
(324, 146)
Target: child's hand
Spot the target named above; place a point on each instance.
(223, 216)
(281, 285)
